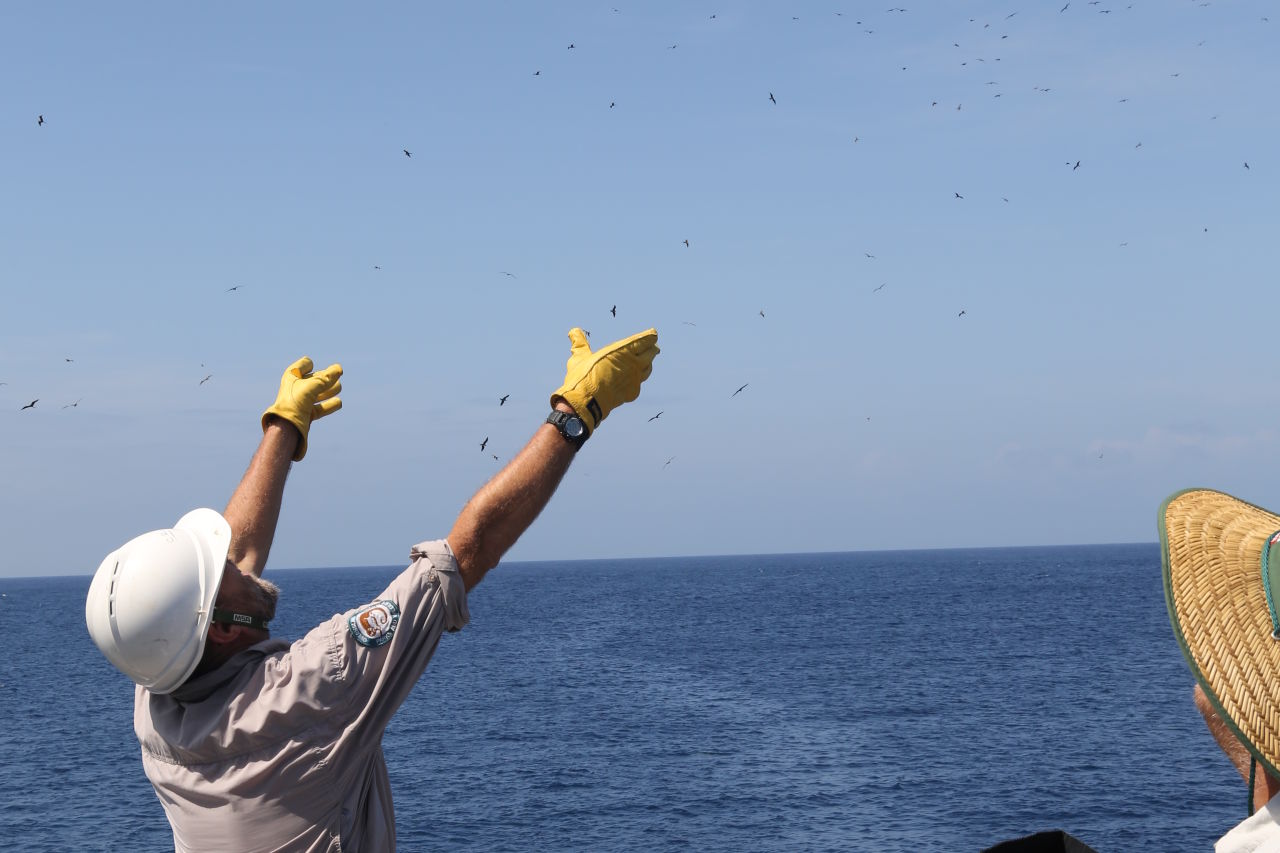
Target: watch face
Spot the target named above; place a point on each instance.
(573, 427)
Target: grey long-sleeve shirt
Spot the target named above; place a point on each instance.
(280, 748)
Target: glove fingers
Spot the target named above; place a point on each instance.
(325, 407)
(301, 367)
(332, 391)
(578, 342)
(329, 374)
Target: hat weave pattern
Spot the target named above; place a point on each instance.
(1212, 546)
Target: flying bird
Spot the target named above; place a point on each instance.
(206, 379)
(39, 120)
(614, 310)
(762, 312)
(73, 405)
(959, 196)
(611, 104)
(668, 462)
(69, 359)
(237, 287)
(537, 73)
(881, 287)
(1076, 166)
(503, 399)
(736, 393)
(1063, 9)
(376, 267)
(655, 417)
(406, 152)
(30, 405)
(961, 314)
(507, 274)
(483, 443)
(570, 47)
(775, 101)
(1246, 165)
(686, 244)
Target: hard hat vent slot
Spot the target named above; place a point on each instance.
(111, 595)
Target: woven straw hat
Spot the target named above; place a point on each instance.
(1221, 565)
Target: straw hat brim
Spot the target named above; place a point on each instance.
(1212, 547)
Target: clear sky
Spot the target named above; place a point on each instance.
(1072, 178)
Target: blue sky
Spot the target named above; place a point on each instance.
(1115, 344)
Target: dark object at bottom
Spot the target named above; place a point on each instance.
(1054, 841)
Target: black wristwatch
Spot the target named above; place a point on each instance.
(571, 427)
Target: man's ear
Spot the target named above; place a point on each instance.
(222, 633)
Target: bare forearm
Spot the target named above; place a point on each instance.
(254, 508)
(503, 509)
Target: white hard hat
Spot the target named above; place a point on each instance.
(151, 600)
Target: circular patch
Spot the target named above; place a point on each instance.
(375, 624)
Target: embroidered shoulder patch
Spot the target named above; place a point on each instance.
(374, 624)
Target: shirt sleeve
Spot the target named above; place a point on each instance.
(381, 648)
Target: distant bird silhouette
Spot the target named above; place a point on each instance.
(1063, 9)
(686, 322)
(206, 379)
(30, 405)
(537, 73)
(959, 196)
(761, 312)
(69, 359)
(376, 267)
(237, 287)
(1246, 164)
(869, 255)
(483, 443)
(655, 417)
(961, 314)
(739, 391)
(614, 310)
(73, 405)
(686, 244)
(507, 274)
(570, 47)
(1076, 166)
(495, 456)
(611, 104)
(881, 287)
(406, 152)
(503, 399)
(673, 47)
(773, 99)
(39, 120)
(668, 462)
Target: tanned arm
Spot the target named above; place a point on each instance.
(503, 509)
(254, 508)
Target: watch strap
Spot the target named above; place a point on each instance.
(560, 420)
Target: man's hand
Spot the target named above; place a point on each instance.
(596, 383)
(305, 396)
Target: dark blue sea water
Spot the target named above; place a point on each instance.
(928, 700)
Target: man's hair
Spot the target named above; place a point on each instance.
(254, 597)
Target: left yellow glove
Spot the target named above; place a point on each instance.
(305, 396)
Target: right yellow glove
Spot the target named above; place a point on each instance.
(305, 396)
(596, 383)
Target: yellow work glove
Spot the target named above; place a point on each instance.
(305, 396)
(596, 383)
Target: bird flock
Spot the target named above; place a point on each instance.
(775, 101)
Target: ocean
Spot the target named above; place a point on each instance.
(881, 701)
